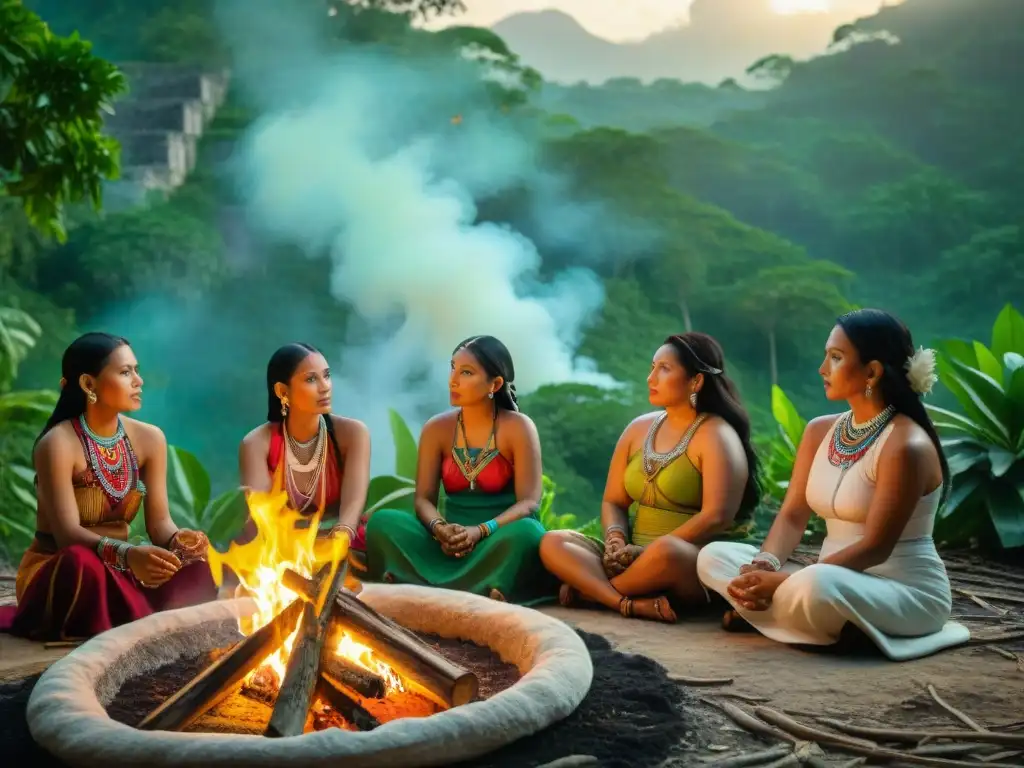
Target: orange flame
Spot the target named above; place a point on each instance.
(285, 539)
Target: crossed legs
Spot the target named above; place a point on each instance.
(667, 567)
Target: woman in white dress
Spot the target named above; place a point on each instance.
(877, 475)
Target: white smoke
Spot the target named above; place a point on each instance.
(353, 165)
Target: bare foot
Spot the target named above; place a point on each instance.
(496, 595)
(650, 608)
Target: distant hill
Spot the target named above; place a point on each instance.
(722, 39)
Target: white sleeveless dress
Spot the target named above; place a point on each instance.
(903, 605)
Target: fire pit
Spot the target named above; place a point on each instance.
(378, 678)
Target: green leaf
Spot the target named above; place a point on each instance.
(983, 398)
(965, 459)
(962, 489)
(225, 516)
(188, 487)
(1008, 332)
(401, 498)
(949, 420)
(1013, 361)
(405, 446)
(988, 363)
(958, 349)
(1006, 510)
(787, 417)
(384, 486)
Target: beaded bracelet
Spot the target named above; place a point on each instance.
(486, 529)
(768, 559)
(113, 552)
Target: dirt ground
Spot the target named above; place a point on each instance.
(984, 680)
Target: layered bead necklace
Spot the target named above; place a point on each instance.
(111, 459)
(851, 442)
(304, 466)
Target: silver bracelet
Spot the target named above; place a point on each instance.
(433, 523)
(768, 559)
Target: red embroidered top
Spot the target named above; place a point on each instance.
(494, 478)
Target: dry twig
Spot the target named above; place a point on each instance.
(859, 746)
(911, 736)
(980, 593)
(986, 605)
(700, 680)
(954, 711)
(745, 720)
(752, 758)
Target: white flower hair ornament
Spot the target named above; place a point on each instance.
(921, 370)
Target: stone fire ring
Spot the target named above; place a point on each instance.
(66, 709)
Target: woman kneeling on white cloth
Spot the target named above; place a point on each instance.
(877, 475)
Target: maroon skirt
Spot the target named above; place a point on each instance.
(73, 596)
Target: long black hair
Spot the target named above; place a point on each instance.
(877, 335)
(496, 360)
(700, 353)
(86, 355)
(281, 368)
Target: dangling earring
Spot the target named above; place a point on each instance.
(693, 399)
(91, 397)
(490, 395)
(284, 406)
(867, 391)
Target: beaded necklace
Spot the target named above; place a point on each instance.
(850, 442)
(304, 466)
(469, 466)
(111, 459)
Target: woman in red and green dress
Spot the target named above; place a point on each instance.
(94, 467)
(486, 457)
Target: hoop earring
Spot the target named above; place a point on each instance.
(284, 406)
(693, 399)
(91, 397)
(867, 391)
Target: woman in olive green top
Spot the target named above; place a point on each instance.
(679, 478)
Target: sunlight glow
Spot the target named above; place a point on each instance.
(784, 7)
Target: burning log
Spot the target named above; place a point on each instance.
(450, 685)
(446, 683)
(224, 676)
(341, 700)
(362, 681)
(300, 679)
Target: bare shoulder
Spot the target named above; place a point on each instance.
(909, 441)
(718, 430)
(819, 426)
(259, 436)
(641, 424)
(147, 436)
(349, 430)
(439, 427)
(59, 442)
(517, 422)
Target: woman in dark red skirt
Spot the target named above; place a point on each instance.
(80, 576)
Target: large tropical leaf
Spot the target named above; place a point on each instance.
(224, 517)
(790, 424)
(405, 446)
(393, 492)
(1006, 510)
(1008, 332)
(980, 396)
(188, 488)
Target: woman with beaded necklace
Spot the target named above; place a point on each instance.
(486, 457)
(80, 576)
(877, 475)
(320, 459)
(688, 473)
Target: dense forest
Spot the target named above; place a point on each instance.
(882, 173)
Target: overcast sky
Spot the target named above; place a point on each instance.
(621, 20)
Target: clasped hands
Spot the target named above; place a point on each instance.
(154, 566)
(618, 554)
(457, 540)
(754, 588)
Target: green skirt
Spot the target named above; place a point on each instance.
(400, 550)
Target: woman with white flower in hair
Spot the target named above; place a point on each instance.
(877, 475)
